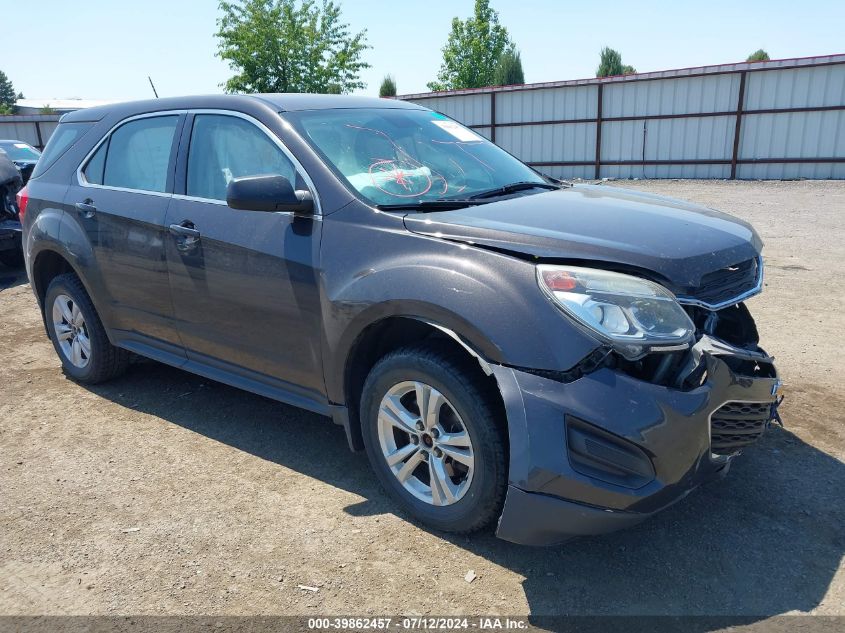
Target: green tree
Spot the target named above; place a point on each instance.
(473, 50)
(610, 64)
(7, 94)
(758, 56)
(289, 46)
(509, 69)
(388, 87)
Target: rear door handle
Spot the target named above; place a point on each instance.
(187, 235)
(86, 208)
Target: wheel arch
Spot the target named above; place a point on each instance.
(55, 244)
(47, 264)
(380, 337)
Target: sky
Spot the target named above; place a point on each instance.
(99, 49)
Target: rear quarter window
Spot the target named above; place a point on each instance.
(62, 140)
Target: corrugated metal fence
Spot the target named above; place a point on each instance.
(35, 129)
(766, 120)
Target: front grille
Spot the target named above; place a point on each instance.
(737, 425)
(725, 284)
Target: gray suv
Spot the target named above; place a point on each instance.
(559, 359)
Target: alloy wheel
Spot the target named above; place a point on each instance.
(71, 331)
(425, 443)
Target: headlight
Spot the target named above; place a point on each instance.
(634, 315)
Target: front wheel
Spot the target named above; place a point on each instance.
(435, 439)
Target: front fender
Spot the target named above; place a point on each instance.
(490, 300)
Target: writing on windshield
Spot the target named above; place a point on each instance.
(393, 155)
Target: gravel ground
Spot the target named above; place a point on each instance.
(162, 492)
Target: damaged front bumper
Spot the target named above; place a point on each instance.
(608, 450)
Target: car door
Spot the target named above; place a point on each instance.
(244, 283)
(120, 199)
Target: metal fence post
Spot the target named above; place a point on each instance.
(38, 134)
(492, 116)
(598, 132)
(738, 125)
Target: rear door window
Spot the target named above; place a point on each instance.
(135, 156)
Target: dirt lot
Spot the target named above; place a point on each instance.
(165, 493)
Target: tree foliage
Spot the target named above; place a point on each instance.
(509, 69)
(7, 94)
(388, 87)
(758, 56)
(610, 64)
(289, 46)
(472, 51)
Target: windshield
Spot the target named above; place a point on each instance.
(15, 150)
(393, 156)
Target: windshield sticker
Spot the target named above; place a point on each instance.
(458, 131)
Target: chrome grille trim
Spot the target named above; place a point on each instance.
(758, 287)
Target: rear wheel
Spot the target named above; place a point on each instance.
(78, 334)
(434, 438)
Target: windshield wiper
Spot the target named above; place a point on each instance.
(512, 188)
(431, 205)
(473, 200)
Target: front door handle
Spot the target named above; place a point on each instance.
(86, 208)
(186, 229)
(187, 234)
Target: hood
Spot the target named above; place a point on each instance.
(678, 242)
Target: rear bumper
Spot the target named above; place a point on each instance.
(647, 446)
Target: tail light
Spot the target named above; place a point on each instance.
(23, 199)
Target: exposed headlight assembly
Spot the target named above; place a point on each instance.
(633, 315)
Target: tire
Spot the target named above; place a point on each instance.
(476, 498)
(13, 258)
(99, 360)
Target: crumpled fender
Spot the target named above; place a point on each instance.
(490, 301)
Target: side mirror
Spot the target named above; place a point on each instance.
(267, 193)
